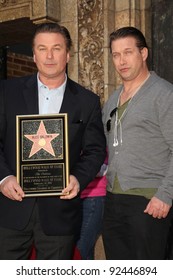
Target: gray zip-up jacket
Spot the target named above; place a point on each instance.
(144, 159)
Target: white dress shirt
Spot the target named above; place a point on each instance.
(50, 100)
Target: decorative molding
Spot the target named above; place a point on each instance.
(4, 3)
(45, 10)
(36, 10)
(91, 41)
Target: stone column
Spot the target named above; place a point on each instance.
(91, 40)
(69, 18)
(95, 20)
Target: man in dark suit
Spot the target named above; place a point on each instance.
(50, 222)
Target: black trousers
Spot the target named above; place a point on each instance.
(130, 234)
(17, 244)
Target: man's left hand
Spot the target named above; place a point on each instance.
(72, 189)
(157, 208)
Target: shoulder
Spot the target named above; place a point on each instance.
(19, 81)
(80, 90)
(159, 93)
(160, 83)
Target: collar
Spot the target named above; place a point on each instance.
(40, 84)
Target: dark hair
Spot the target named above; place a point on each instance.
(129, 31)
(50, 27)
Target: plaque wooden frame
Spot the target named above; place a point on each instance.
(42, 154)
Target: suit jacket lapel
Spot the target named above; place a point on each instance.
(69, 101)
(30, 93)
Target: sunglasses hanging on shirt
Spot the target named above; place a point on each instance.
(108, 124)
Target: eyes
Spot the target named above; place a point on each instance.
(125, 54)
(44, 49)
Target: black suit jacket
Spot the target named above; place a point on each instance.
(19, 96)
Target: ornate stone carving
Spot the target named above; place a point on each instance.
(91, 31)
(4, 3)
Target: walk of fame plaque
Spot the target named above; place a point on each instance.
(42, 154)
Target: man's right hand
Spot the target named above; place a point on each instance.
(11, 189)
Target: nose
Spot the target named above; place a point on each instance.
(49, 54)
(122, 59)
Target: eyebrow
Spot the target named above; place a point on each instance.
(56, 45)
(123, 50)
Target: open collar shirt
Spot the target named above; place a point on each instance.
(50, 100)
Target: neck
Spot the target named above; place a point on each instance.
(52, 83)
(131, 87)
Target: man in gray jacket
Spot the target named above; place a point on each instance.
(138, 120)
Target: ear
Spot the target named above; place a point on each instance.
(144, 53)
(34, 57)
(68, 56)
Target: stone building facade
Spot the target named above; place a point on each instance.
(89, 22)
